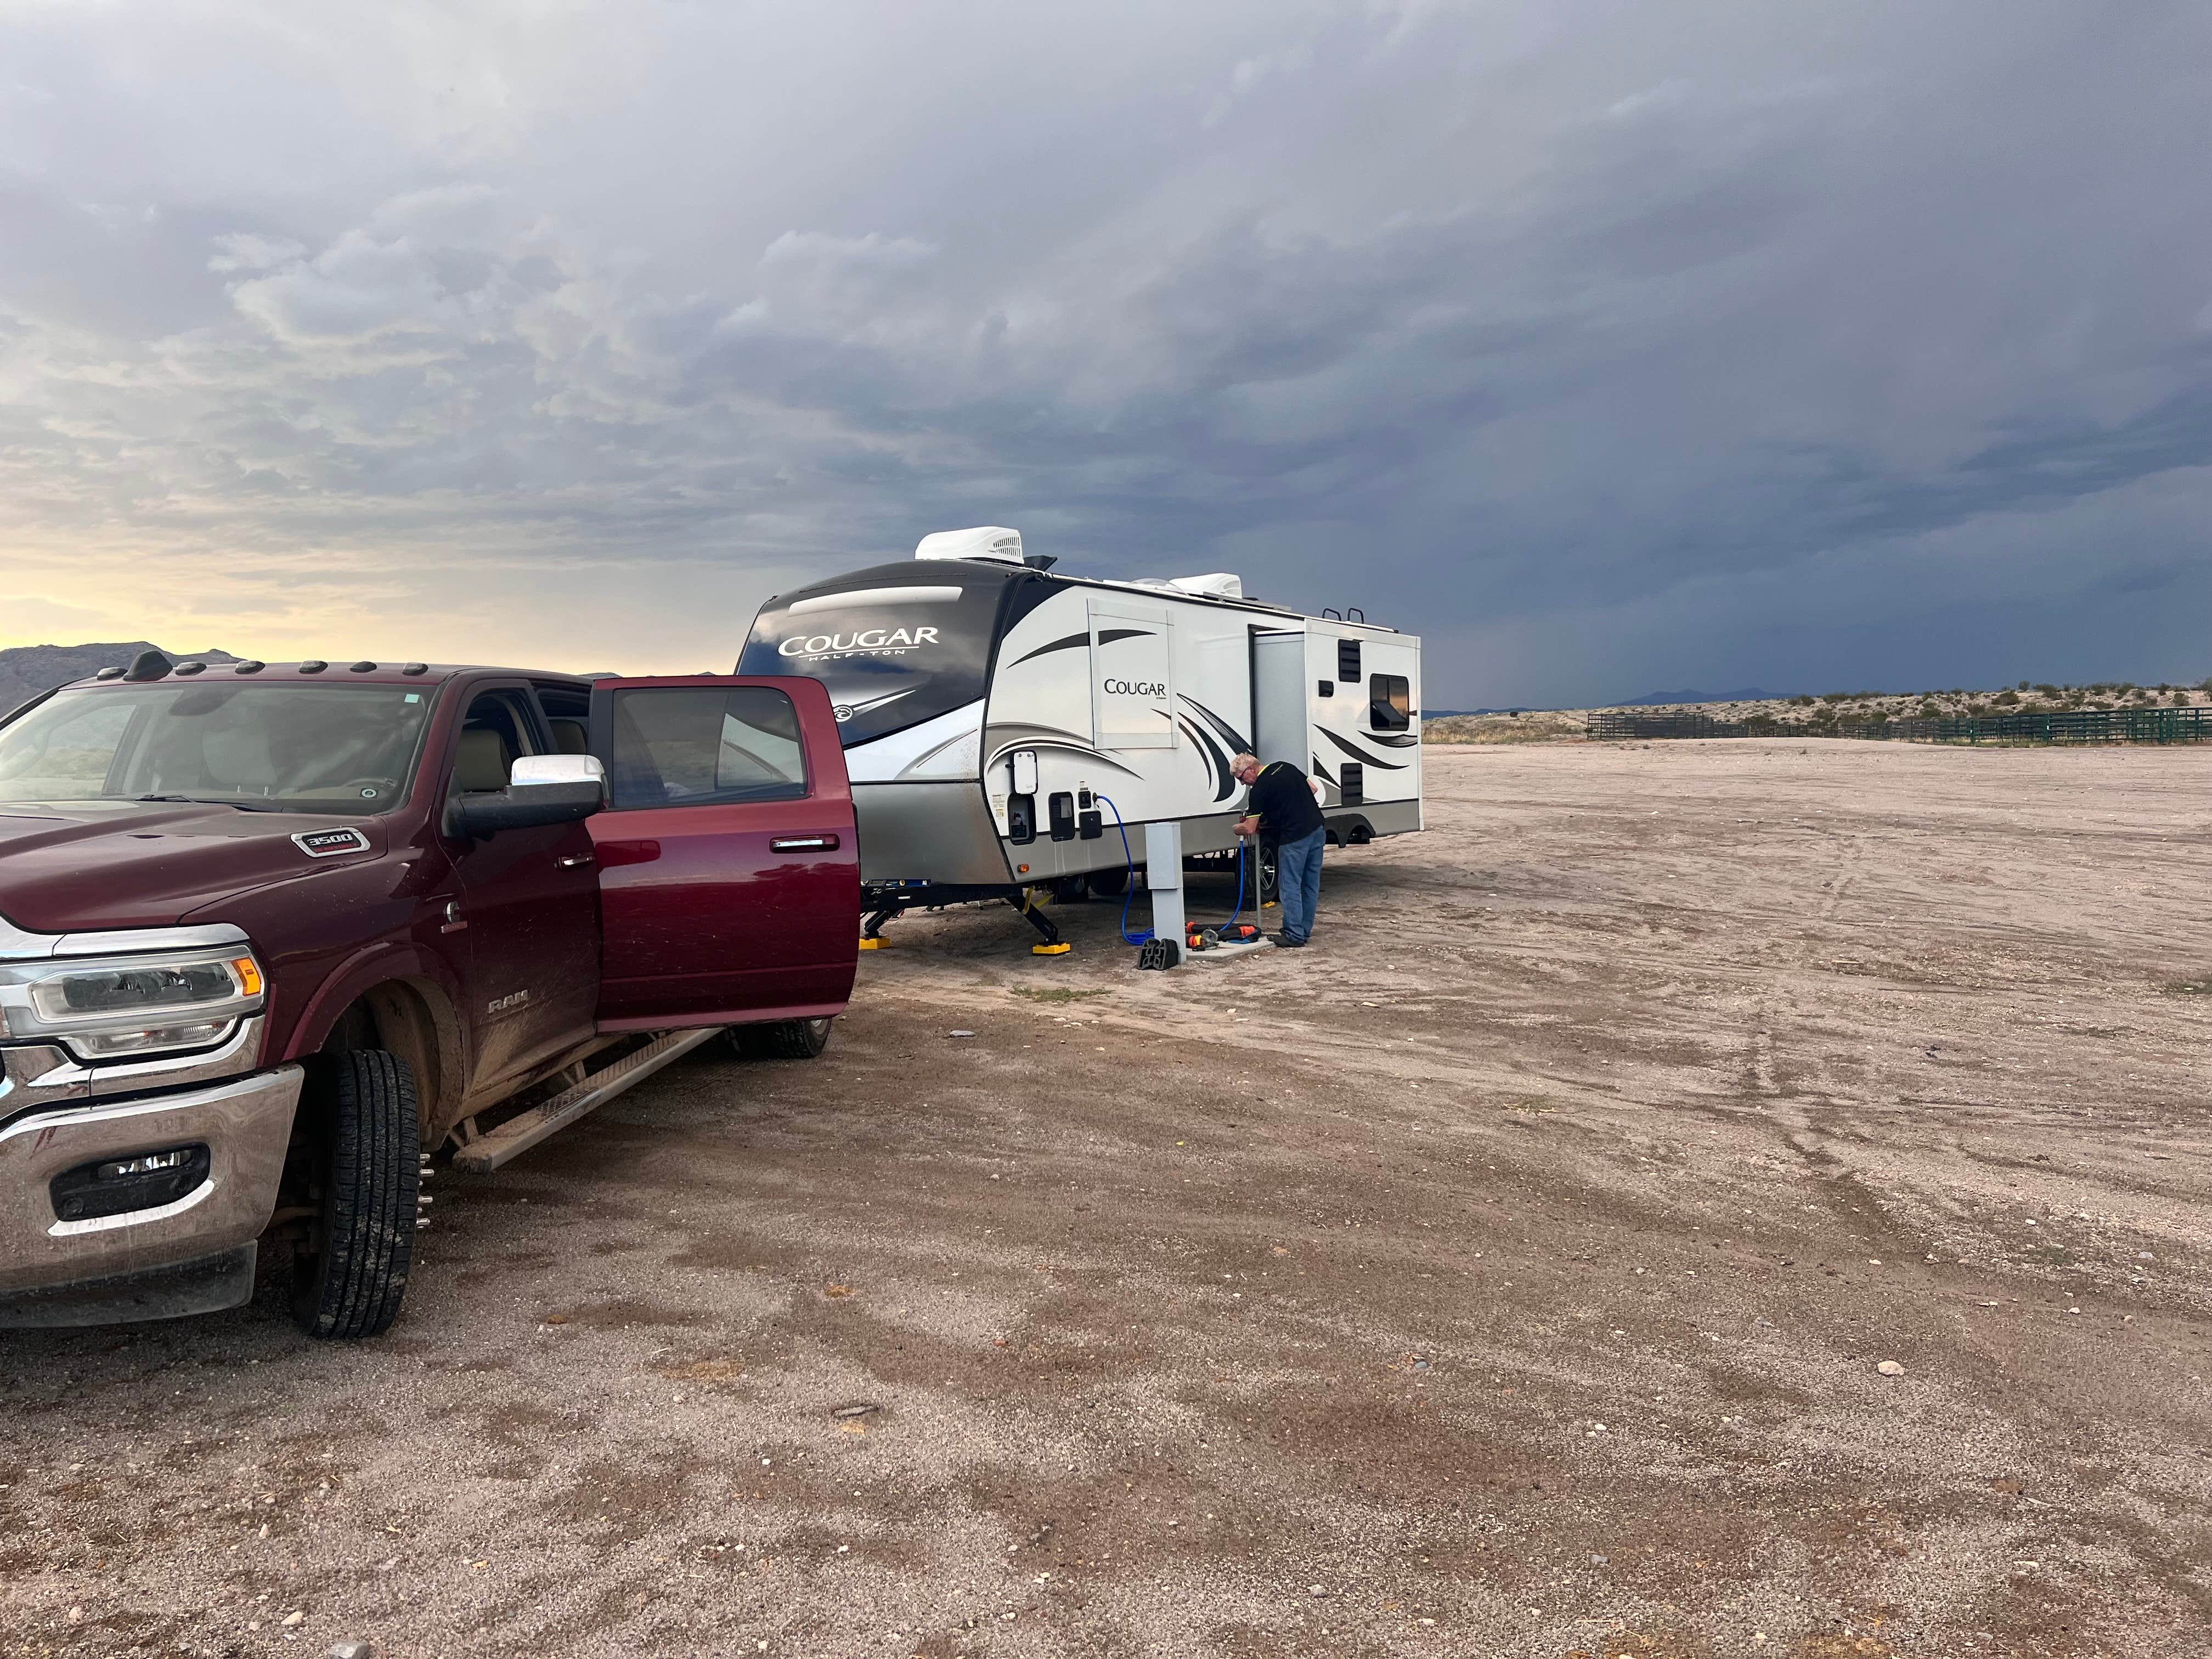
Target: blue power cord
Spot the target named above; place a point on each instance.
(1129, 889)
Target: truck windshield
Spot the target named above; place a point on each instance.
(892, 653)
(282, 748)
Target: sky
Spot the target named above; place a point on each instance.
(1611, 347)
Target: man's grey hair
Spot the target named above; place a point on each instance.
(1238, 761)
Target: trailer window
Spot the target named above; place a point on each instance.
(1390, 702)
(699, 745)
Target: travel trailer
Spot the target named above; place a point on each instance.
(1003, 722)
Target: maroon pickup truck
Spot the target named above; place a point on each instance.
(271, 936)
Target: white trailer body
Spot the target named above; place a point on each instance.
(997, 717)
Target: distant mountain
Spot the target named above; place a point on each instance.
(30, 669)
(1749, 693)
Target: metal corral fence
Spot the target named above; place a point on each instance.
(1618, 723)
(2071, 726)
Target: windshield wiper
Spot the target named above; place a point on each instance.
(207, 801)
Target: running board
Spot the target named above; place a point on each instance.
(525, 1129)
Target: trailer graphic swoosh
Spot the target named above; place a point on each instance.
(1239, 744)
(1003, 739)
(1217, 764)
(1106, 636)
(1360, 754)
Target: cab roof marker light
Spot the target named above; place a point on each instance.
(109, 673)
(416, 668)
(363, 667)
(313, 665)
(249, 667)
(191, 668)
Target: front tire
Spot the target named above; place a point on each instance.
(782, 1039)
(364, 1147)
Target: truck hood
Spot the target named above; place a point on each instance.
(87, 866)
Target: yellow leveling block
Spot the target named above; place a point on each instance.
(874, 944)
(1059, 950)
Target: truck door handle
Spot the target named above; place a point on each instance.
(576, 861)
(803, 844)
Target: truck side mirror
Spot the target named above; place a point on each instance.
(533, 771)
(541, 790)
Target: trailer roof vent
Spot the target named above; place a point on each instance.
(992, 542)
(1218, 584)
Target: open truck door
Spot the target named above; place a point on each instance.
(729, 872)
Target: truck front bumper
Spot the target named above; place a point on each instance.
(193, 1254)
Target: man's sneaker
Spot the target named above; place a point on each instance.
(1289, 943)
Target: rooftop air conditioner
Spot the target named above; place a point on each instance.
(992, 542)
(1219, 585)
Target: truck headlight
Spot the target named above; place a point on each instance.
(111, 1008)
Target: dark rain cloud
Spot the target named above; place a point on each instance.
(1611, 346)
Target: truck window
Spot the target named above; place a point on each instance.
(698, 746)
(1390, 702)
(495, 733)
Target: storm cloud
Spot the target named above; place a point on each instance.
(1610, 346)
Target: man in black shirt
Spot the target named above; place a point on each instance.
(1282, 803)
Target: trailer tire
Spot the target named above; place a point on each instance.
(1109, 883)
(1260, 860)
(781, 1039)
(364, 1146)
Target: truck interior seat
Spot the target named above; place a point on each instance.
(569, 737)
(238, 759)
(483, 762)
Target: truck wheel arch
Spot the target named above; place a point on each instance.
(414, 1020)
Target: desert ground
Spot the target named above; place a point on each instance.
(1507, 1273)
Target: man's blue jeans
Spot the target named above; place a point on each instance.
(1297, 880)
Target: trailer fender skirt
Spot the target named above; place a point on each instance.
(1059, 950)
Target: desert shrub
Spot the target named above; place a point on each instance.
(2048, 691)
(2006, 699)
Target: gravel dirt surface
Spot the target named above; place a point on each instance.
(1512, 1272)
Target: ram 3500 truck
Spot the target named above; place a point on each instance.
(271, 935)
